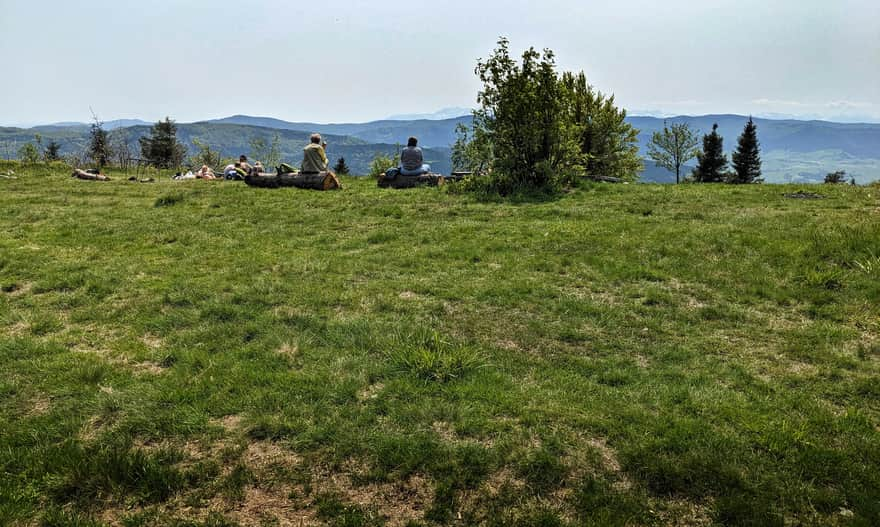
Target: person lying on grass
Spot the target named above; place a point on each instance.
(205, 173)
(90, 175)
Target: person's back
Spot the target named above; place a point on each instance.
(314, 158)
(412, 162)
(411, 158)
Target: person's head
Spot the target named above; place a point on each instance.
(412, 141)
(242, 158)
(204, 168)
(316, 139)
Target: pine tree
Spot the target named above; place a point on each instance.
(161, 148)
(52, 151)
(99, 144)
(746, 158)
(341, 168)
(711, 162)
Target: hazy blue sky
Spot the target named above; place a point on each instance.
(351, 60)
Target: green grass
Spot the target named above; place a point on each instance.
(207, 354)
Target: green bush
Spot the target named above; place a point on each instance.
(379, 164)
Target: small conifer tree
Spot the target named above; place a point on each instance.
(711, 162)
(52, 152)
(340, 167)
(161, 148)
(746, 159)
(99, 144)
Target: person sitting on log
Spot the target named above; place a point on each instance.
(411, 161)
(314, 157)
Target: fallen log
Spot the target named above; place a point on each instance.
(401, 181)
(88, 176)
(320, 181)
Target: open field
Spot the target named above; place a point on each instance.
(207, 354)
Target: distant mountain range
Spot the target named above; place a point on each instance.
(440, 115)
(109, 125)
(431, 133)
(792, 150)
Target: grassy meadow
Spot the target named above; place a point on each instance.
(207, 354)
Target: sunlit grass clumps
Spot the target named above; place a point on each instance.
(208, 354)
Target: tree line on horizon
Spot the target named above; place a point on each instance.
(677, 144)
(162, 149)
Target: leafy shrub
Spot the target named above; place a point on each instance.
(29, 154)
(380, 163)
(832, 178)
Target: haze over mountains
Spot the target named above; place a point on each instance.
(792, 150)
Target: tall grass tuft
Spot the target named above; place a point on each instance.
(432, 358)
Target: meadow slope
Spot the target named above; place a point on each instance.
(195, 353)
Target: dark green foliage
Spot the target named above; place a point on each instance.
(673, 147)
(341, 168)
(838, 176)
(711, 162)
(169, 200)
(113, 470)
(379, 164)
(543, 471)
(746, 160)
(521, 121)
(161, 147)
(52, 152)
(609, 144)
(598, 503)
(99, 150)
(536, 129)
(233, 484)
(28, 153)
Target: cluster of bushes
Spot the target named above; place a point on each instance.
(536, 128)
(33, 153)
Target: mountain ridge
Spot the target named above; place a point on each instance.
(792, 150)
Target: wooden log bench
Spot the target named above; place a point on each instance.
(320, 181)
(401, 181)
